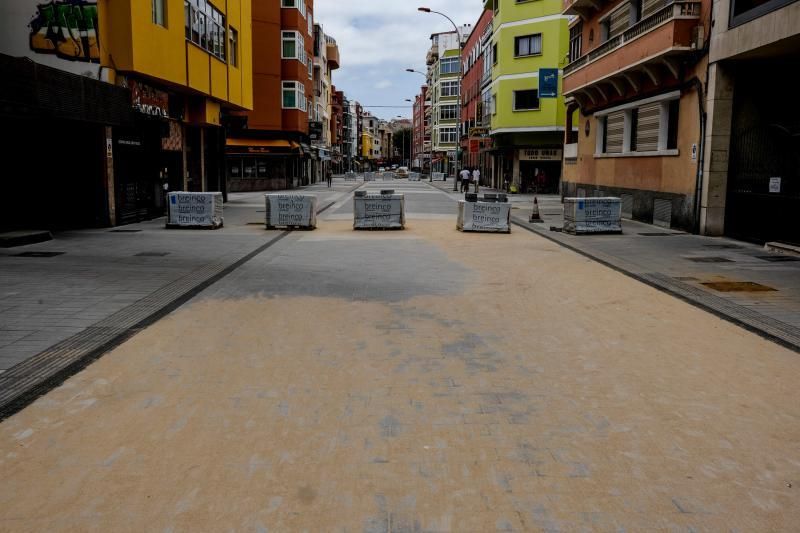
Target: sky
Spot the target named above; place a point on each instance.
(379, 39)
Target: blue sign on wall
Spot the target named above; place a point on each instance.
(548, 83)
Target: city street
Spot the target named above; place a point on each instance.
(421, 380)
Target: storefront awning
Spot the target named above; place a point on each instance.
(256, 146)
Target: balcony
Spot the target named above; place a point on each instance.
(582, 8)
(645, 52)
(333, 55)
(433, 55)
(486, 78)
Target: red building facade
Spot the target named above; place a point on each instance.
(421, 137)
(474, 134)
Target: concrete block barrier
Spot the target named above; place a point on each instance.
(484, 217)
(294, 211)
(201, 210)
(379, 211)
(583, 216)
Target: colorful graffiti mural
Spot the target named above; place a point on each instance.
(67, 29)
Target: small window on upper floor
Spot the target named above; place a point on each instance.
(233, 47)
(528, 45)
(159, 11)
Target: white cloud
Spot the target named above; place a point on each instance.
(379, 39)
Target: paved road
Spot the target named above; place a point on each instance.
(423, 380)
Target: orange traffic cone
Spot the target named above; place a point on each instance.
(535, 216)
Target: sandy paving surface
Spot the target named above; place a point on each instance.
(536, 391)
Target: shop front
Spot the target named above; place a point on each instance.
(263, 164)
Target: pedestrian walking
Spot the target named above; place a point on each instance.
(476, 178)
(465, 177)
(330, 178)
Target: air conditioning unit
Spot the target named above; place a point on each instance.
(698, 38)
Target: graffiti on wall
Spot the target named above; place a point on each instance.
(67, 29)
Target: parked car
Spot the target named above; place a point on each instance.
(382, 169)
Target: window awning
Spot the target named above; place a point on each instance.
(262, 146)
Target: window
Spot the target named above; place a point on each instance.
(449, 88)
(618, 21)
(293, 46)
(575, 41)
(448, 112)
(448, 136)
(310, 68)
(528, 45)
(494, 54)
(527, 100)
(649, 127)
(449, 65)
(204, 24)
(159, 14)
(294, 95)
(234, 47)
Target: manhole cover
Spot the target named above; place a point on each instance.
(39, 254)
(125, 231)
(152, 254)
(778, 258)
(738, 286)
(724, 246)
(709, 259)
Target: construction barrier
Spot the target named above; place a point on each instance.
(293, 211)
(387, 176)
(386, 210)
(195, 210)
(592, 215)
(439, 176)
(484, 217)
(413, 176)
(369, 176)
(349, 176)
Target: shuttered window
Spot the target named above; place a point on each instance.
(651, 6)
(619, 21)
(648, 124)
(615, 132)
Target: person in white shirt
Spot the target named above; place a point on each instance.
(465, 176)
(476, 178)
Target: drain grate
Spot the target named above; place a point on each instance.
(39, 254)
(125, 231)
(152, 254)
(778, 258)
(738, 286)
(659, 234)
(724, 246)
(710, 259)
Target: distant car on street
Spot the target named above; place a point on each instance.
(382, 169)
(402, 172)
(394, 167)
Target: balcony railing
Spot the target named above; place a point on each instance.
(486, 77)
(677, 10)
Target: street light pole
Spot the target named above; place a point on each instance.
(458, 113)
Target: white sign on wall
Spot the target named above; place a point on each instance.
(775, 185)
(57, 33)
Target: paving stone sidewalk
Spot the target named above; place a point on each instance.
(766, 298)
(54, 290)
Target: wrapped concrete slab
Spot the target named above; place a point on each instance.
(379, 211)
(484, 217)
(298, 211)
(195, 210)
(584, 216)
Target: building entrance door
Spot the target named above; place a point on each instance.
(764, 169)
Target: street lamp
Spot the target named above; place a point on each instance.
(458, 113)
(430, 159)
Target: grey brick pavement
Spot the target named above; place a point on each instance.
(44, 301)
(668, 260)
